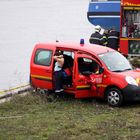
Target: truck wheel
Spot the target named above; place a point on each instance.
(114, 97)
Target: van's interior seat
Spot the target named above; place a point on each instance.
(83, 66)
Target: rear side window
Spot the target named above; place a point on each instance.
(43, 57)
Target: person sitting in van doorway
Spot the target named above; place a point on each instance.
(67, 70)
(58, 74)
(113, 39)
(96, 37)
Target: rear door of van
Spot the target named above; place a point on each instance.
(41, 67)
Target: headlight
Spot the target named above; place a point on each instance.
(130, 80)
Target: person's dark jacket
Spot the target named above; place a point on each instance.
(113, 39)
(68, 61)
(96, 38)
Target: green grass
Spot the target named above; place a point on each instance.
(32, 117)
(135, 61)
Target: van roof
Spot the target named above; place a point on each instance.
(97, 49)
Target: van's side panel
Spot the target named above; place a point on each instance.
(42, 67)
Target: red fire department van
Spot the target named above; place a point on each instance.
(96, 72)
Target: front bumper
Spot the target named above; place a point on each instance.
(131, 93)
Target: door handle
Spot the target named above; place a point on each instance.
(49, 71)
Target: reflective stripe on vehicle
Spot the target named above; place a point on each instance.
(82, 87)
(42, 77)
(101, 85)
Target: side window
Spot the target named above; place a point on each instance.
(68, 56)
(43, 57)
(86, 64)
(69, 53)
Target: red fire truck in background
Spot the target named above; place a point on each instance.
(130, 27)
(124, 15)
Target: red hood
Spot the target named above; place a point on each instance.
(134, 73)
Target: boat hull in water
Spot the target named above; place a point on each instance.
(104, 13)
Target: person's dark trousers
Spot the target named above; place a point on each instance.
(58, 81)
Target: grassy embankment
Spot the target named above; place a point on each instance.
(135, 61)
(32, 117)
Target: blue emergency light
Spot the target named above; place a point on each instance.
(82, 41)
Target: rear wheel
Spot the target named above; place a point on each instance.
(114, 97)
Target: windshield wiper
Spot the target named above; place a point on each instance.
(122, 70)
(117, 71)
(127, 69)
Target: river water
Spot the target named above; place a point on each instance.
(23, 23)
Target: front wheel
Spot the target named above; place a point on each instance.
(114, 97)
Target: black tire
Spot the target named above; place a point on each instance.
(114, 97)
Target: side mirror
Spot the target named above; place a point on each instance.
(86, 73)
(101, 70)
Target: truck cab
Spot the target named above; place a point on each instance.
(97, 71)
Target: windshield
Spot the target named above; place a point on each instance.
(115, 61)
